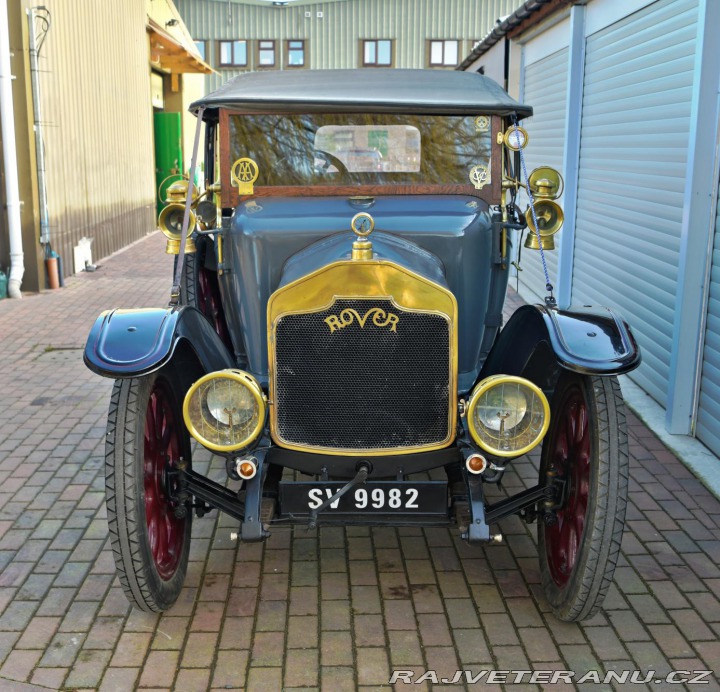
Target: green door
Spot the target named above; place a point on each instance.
(168, 151)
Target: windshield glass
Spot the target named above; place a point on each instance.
(368, 148)
(386, 149)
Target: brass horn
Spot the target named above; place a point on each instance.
(170, 222)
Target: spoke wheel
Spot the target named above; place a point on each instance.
(571, 462)
(166, 531)
(585, 448)
(149, 531)
(209, 302)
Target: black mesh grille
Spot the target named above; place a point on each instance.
(363, 387)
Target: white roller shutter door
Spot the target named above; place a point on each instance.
(633, 156)
(708, 420)
(545, 89)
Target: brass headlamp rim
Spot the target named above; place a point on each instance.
(250, 383)
(546, 232)
(489, 383)
(166, 211)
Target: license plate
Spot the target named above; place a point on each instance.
(382, 497)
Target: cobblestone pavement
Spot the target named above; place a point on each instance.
(337, 609)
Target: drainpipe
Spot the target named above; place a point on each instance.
(34, 51)
(12, 193)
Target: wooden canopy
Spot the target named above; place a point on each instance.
(167, 53)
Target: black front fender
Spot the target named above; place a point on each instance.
(131, 343)
(538, 340)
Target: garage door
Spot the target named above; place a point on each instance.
(633, 156)
(545, 89)
(708, 420)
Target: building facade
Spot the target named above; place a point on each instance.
(241, 35)
(625, 98)
(96, 123)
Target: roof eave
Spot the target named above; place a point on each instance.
(523, 18)
(175, 56)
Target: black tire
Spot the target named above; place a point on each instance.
(150, 542)
(188, 280)
(589, 451)
(199, 288)
(192, 263)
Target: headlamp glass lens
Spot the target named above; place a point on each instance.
(229, 403)
(503, 408)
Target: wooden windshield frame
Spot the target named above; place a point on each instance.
(230, 198)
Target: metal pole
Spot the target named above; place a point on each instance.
(37, 124)
(12, 192)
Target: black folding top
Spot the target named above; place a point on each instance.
(369, 90)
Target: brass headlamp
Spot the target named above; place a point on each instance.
(546, 185)
(170, 223)
(202, 211)
(225, 410)
(507, 415)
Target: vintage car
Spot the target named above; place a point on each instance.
(334, 332)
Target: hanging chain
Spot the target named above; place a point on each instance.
(549, 299)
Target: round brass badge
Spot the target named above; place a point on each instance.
(479, 176)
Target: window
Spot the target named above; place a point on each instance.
(388, 148)
(200, 45)
(443, 53)
(266, 53)
(296, 53)
(233, 53)
(377, 53)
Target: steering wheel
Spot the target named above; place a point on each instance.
(329, 160)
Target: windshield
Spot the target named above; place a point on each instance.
(386, 149)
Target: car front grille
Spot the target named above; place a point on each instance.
(363, 375)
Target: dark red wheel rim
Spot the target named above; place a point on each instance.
(210, 304)
(166, 532)
(571, 448)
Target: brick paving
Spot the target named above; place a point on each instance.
(333, 609)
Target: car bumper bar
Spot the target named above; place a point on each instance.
(373, 503)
